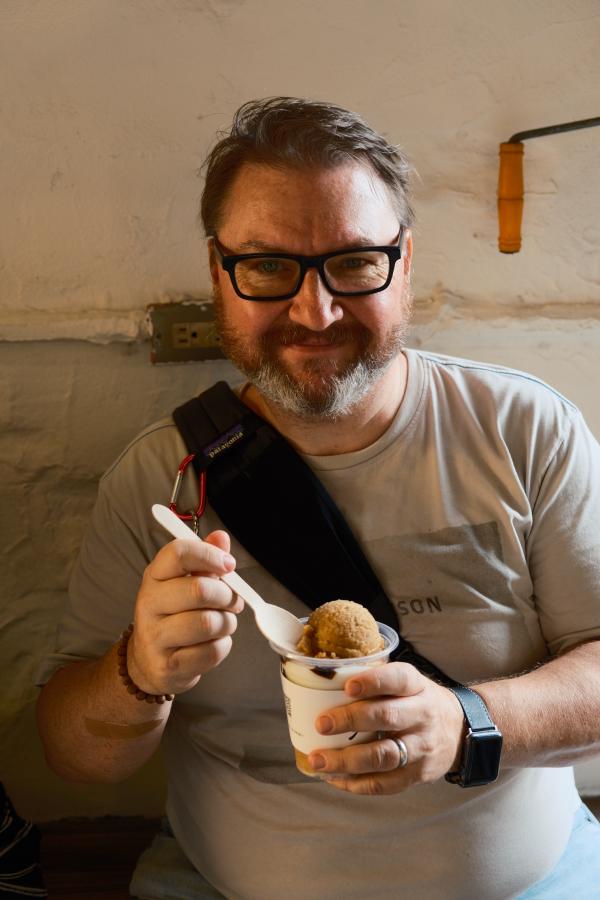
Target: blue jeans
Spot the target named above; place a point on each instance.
(576, 876)
(164, 873)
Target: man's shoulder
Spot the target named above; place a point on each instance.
(153, 454)
(493, 381)
(158, 441)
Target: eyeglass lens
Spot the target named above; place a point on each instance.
(358, 272)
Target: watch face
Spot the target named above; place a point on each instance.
(483, 757)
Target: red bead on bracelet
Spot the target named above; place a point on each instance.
(137, 692)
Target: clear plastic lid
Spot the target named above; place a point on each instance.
(388, 634)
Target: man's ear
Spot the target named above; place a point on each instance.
(407, 249)
(213, 263)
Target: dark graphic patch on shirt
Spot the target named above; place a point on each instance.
(451, 567)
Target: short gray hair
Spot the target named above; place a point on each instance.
(289, 131)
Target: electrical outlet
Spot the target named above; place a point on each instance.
(192, 334)
(183, 331)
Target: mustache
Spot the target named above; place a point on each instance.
(292, 333)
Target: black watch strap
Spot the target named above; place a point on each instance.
(483, 742)
(475, 710)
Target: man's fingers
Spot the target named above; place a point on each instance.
(379, 767)
(185, 614)
(192, 592)
(183, 557)
(382, 714)
(183, 666)
(386, 700)
(219, 539)
(372, 785)
(374, 756)
(395, 679)
(419, 740)
(189, 628)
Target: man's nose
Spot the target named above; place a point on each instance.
(314, 306)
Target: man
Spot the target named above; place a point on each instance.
(474, 492)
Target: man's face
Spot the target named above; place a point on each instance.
(317, 354)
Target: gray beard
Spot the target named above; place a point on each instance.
(323, 394)
(338, 394)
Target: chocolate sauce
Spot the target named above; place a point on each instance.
(324, 672)
(321, 671)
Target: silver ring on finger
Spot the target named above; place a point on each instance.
(403, 759)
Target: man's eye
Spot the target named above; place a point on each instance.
(353, 262)
(274, 266)
(343, 264)
(269, 266)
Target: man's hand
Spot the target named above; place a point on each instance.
(398, 700)
(184, 615)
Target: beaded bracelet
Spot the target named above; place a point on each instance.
(124, 674)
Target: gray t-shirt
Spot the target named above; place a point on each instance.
(478, 508)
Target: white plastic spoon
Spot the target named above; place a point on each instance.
(277, 624)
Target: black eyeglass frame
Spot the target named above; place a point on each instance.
(228, 262)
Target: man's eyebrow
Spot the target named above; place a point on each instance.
(260, 246)
(256, 246)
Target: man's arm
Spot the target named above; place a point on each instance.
(91, 727)
(548, 717)
(551, 715)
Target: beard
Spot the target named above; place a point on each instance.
(323, 388)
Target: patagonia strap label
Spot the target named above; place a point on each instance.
(224, 441)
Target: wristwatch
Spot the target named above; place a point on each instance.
(482, 747)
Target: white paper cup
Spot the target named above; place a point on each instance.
(311, 685)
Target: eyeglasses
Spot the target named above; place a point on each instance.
(279, 276)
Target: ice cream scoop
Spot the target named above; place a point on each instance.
(276, 624)
(340, 629)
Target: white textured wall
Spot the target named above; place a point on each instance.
(107, 111)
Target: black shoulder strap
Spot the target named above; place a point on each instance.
(270, 499)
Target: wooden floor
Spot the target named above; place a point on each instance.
(93, 860)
